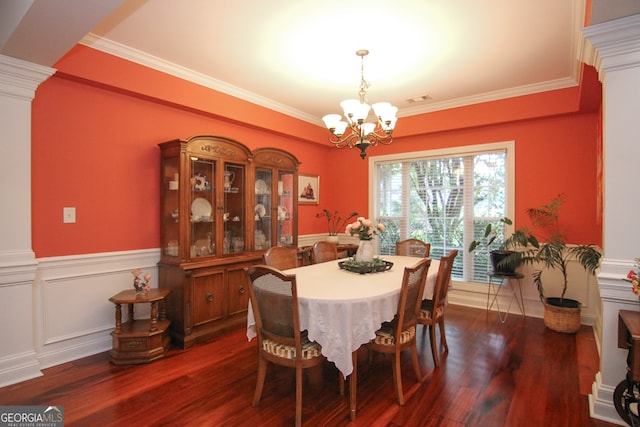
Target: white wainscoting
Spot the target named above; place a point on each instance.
(74, 317)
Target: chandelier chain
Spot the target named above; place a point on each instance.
(364, 85)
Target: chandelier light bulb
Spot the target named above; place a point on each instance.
(330, 120)
(368, 128)
(340, 128)
(388, 125)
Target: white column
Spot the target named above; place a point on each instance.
(18, 83)
(617, 60)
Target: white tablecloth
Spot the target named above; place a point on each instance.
(343, 310)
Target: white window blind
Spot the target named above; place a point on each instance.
(443, 199)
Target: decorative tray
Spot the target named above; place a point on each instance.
(376, 266)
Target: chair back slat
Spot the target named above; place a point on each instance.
(444, 278)
(276, 308)
(323, 251)
(413, 247)
(274, 302)
(413, 283)
(281, 257)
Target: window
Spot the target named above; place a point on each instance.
(446, 198)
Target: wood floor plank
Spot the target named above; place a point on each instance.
(514, 374)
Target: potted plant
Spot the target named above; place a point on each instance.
(335, 222)
(561, 314)
(504, 259)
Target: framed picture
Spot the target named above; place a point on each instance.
(308, 189)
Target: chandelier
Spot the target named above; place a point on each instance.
(362, 133)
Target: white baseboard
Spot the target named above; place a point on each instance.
(601, 403)
(18, 368)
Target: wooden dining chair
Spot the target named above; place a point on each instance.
(281, 257)
(413, 247)
(274, 301)
(432, 310)
(323, 251)
(399, 334)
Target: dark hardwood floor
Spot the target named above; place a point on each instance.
(513, 374)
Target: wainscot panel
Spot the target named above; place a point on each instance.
(74, 317)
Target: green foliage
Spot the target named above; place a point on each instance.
(490, 235)
(335, 222)
(554, 253)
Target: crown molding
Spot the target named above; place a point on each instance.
(491, 96)
(617, 44)
(153, 62)
(20, 78)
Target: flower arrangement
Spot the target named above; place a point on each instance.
(335, 221)
(633, 277)
(364, 228)
(138, 283)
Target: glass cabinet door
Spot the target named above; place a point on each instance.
(263, 216)
(202, 230)
(276, 174)
(170, 208)
(234, 215)
(285, 208)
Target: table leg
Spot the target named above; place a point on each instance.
(154, 316)
(131, 318)
(118, 318)
(163, 310)
(353, 384)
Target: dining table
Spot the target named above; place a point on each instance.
(342, 310)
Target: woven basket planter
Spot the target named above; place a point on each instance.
(562, 319)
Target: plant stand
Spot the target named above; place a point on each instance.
(496, 283)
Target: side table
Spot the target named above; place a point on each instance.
(139, 340)
(626, 395)
(496, 283)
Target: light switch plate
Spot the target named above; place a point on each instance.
(69, 215)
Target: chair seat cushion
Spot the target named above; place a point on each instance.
(310, 349)
(426, 309)
(385, 336)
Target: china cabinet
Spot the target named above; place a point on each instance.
(221, 207)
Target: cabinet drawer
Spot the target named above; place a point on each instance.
(134, 344)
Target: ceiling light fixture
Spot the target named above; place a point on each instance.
(362, 134)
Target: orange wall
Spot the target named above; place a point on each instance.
(96, 149)
(553, 155)
(97, 123)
